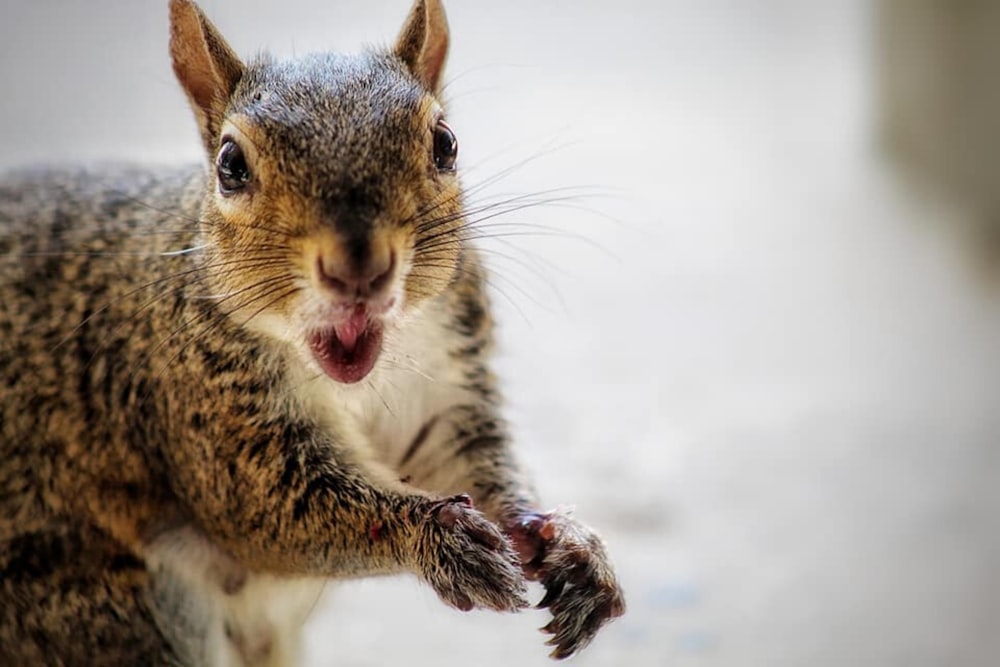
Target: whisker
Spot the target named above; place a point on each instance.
(291, 389)
(264, 263)
(279, 280)
(495, 178)
(495, 209)
(371, 385)
(478, 68)
(488, 281)
(413, 367)
(533, 269)
(195, 221)
(185, 251)
(210, 325)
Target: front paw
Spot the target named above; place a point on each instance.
(570, 560)
(466, 558)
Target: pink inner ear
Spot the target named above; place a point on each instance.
(435, 47)
(423, 42)
(200, 84)
(432, 60)
(205, 65)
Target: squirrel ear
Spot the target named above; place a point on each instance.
(423, 43)
(205, 65)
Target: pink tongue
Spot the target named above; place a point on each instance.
(351, 329)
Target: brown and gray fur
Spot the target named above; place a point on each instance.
(176, 476)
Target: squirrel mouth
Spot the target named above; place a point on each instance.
(347, 351)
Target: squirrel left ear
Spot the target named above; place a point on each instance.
(205, 65)
(423, 43)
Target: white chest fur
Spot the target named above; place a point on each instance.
(414, 380)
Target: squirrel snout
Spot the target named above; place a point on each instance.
(353, 279)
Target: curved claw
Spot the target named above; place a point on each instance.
(570, 560)
(553, 590)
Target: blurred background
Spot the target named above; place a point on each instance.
(755, 342)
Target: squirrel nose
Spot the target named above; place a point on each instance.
(351, 280)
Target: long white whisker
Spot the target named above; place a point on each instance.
(174, 253)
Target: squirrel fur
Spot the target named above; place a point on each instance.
(221, 387)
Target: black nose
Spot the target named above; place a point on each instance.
(350, 279)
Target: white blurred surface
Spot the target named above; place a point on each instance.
(768, 377)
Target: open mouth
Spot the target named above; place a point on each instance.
(347, 352)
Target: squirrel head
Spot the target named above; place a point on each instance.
(332, 205)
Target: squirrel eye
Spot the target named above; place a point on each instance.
(445, 147)
(231, 168)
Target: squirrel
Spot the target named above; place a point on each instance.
(222, 386)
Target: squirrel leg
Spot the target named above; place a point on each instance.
(299, 505)
(470, 450)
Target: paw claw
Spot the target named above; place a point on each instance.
(581, 591)
(468, 560)
(553, 590)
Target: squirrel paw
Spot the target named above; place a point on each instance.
(570, 560)
(467, 560)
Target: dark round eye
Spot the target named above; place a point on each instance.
(231, 167)
(445, 147)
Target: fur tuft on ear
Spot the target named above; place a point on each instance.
(423, 43)
(205, 65)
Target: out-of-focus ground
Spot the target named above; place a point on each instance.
(758, 360)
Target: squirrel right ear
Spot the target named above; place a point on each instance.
(205, 65)
(423, 43)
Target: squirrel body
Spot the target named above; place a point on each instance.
(220, 389)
